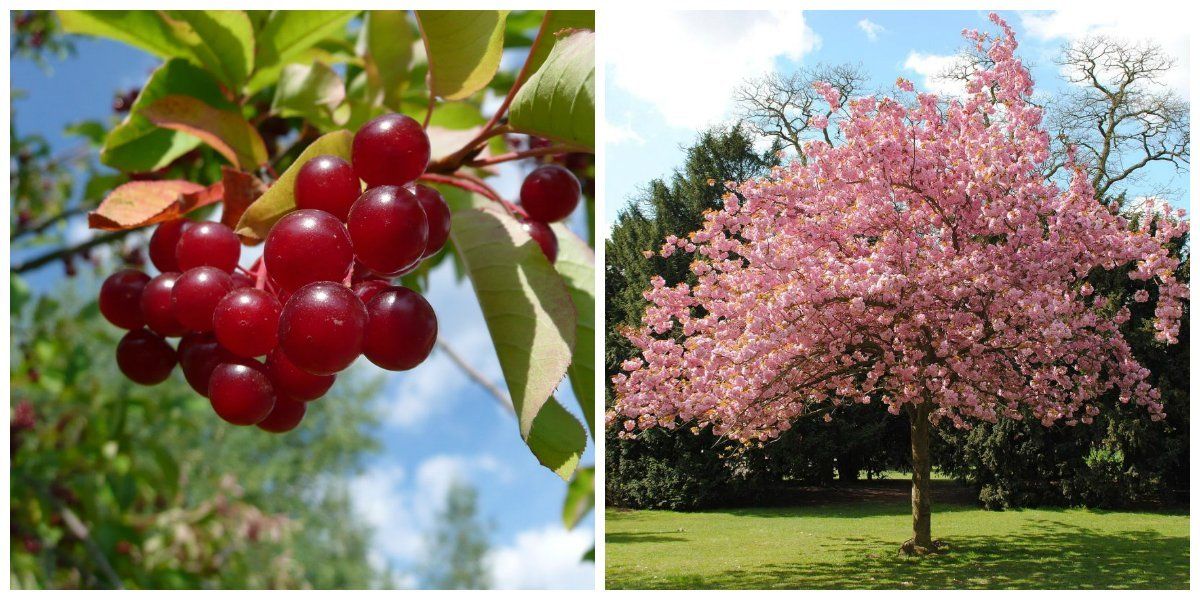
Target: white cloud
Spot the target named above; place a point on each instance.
(544, 558)
(399, 507)
(1161, 24)
(687, 64)
(614, 134)
(932, 67)
(871, 28)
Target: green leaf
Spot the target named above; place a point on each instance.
(577, 265)
(524, 301)
(92, 131)
(18, 294)
(137, 144)
(280, 198)
(556, 21)
(557, 439)
(590, 555)
(221, 40)
(389, 39)
(464, 48)
(286, 35)
(559, 100)
(311, 91)
(226, 131)
(581, 497)
(139, 28)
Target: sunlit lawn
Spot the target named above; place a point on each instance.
(851, 542)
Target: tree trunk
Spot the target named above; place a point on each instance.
(922, 542)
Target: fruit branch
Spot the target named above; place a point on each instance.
(476, 376)
(61, 253)
(510, 156)
(470, 184)
(493, 127)
(80, 531)
(44, 224)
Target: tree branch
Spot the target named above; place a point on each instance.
(494, 390)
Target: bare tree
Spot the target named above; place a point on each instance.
(780, 107)
(1119, 115)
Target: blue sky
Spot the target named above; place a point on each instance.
(437, 425)
(675, 75)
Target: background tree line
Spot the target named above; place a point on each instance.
(1119, 118)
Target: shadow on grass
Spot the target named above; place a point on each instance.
(641, 537)
(1045, 554)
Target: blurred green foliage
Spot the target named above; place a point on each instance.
(116, 485)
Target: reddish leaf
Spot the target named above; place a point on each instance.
(140, 203)
(241, 190)
(226, 131)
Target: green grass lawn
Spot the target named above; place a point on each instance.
(840, 544)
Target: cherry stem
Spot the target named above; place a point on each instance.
(260, 267)
(474, 185)
(560, 149)
(492, 128)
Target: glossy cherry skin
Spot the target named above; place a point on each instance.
(241, 280)
(241, 392)
(145, 357)
(208, 244)
(199, 354)
(550, 193)
(157, 309)
(388, 228)
(401, 329)
(545, 238)
(321, 328)
(121, 296)
(306, 246)
(390, 149)
(293, 382)
(196, 294)
(246, 322)
(437, 215)
(163, 242)
(284, 417)
(368, 288)
(327, 183)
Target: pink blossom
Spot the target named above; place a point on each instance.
(924, 261)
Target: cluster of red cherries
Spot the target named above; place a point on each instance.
(321, 295)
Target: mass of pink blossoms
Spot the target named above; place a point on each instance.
(925, 260)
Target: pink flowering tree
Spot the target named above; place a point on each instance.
(925, 263)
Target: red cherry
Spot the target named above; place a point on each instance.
(163, 242)
(241, 393)
(550, 193)
(208, 245)
(121, 296)
(327, 183)
(284, 417)
(401, 329)
(157, 308)
(306, 246)
(295, 383)
(390, 149)
(321, 327)
(246, 322)
(199, 354)
(545, 238)
(145, 357)
(437, 214)
(196, 294)
(388, 228)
